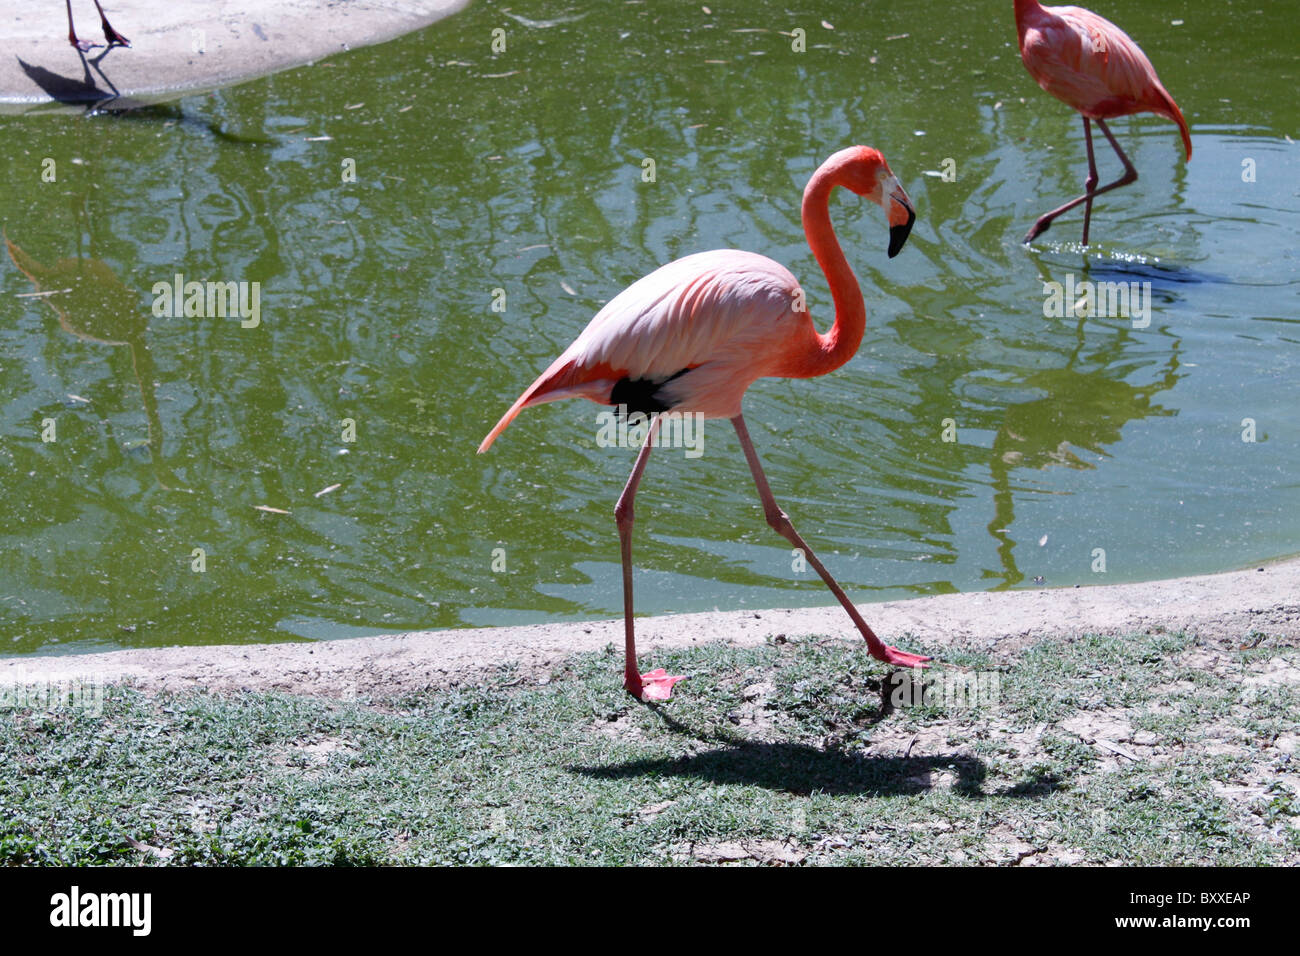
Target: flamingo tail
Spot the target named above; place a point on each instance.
(564, 379)
(506, 419)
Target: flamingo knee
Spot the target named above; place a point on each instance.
(780, 522)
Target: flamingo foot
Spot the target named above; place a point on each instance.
(656, 685)
(892, 655)
(113, 37)
(85, 46)
(1039, 228)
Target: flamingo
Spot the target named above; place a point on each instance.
(694, 334)
(1090, 64)
(112, 36)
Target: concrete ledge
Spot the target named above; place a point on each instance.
(178, 48)
(1225, 607)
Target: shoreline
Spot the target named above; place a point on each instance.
(177, 50)
(1232, 605)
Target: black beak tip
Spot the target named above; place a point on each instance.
(898, 234)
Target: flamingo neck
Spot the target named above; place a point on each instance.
(825, 353)
(1025, 8)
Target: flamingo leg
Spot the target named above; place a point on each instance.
(82, 45)
(1089, 184)
(657, 684)
(111, 35)
(780, 522)
(1130, 176)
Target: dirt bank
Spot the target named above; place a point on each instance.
(1231, 606)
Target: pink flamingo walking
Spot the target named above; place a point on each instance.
(112, 36)
(693, 335)
(1090, 64)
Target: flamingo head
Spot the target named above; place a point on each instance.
(865, 172)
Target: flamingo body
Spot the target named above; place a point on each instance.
(1089, 63)
(694, 334)
(1092, 65)
(691, 336)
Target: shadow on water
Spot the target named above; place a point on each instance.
(173, 113)
(1157, 273)
(84, 91)
(1120, 269)
(1159, 282)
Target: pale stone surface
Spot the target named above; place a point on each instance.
(179, 48)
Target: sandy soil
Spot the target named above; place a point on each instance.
(1221, 607)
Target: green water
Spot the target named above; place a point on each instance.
(522, 171)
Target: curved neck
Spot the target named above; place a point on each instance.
(1024, 8)
(828, 352)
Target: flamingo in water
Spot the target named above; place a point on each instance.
(1089, 63)
(693, 335)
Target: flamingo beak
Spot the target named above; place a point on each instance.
(901, 216)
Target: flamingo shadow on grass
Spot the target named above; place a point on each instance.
(801, 770)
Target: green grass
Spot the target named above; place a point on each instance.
(812, 765)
